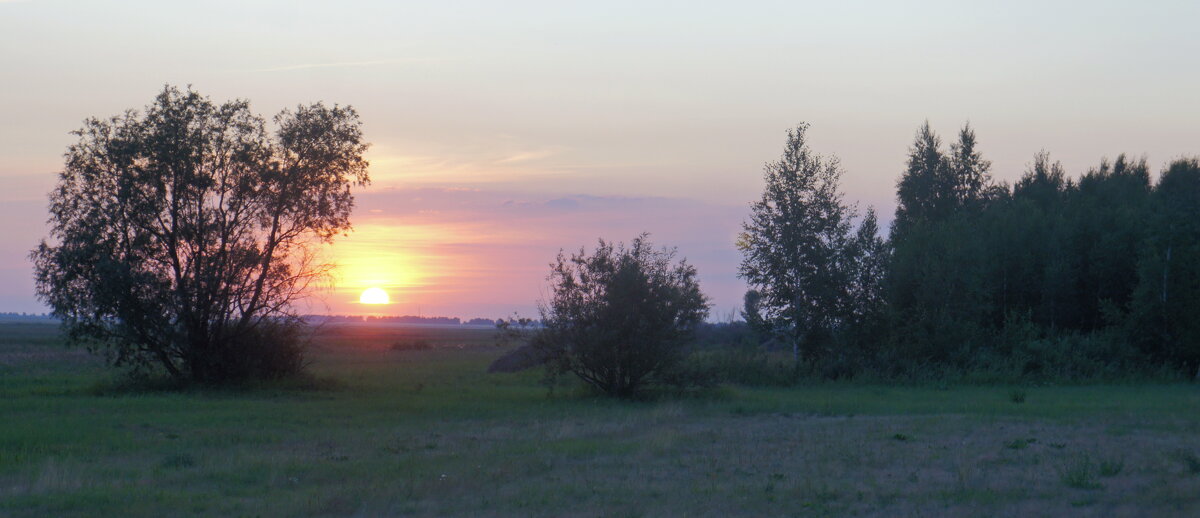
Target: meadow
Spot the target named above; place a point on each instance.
(421, 430)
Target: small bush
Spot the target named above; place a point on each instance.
(1079, 473)
(1189, 460)
(1016, 396)
(621, 318)
(1019, 444)
(1111, 467)
(270, 350)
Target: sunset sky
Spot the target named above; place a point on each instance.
(504, 131)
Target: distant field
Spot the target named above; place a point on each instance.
(376, 336)
(427, 433)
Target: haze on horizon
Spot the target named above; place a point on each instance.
(503, 132)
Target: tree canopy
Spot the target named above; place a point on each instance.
(813, 273)
(620, 317)
(181, 235)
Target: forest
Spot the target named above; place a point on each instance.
(1055, 276)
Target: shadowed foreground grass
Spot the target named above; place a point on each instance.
(427, 433)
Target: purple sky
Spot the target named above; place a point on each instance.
(504, 131)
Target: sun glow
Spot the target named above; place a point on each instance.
(374, 296)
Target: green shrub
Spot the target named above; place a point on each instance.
(272, 350)
(1078, 473)
(749, 366)
(1016, 396)
(1111, 467)
(620, 318)
(1019, 444)
(1190, 461)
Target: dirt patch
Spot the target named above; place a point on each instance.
(519, 359)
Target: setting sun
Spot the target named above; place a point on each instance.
(374, 296)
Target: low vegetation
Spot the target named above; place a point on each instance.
(427, 433)
(620, 318)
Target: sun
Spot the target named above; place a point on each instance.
(374, 296)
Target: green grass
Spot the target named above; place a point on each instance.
(426, 432)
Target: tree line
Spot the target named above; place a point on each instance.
(1052, 276)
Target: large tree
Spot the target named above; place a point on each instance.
(934, 277)
(800, 252)
(181, 235)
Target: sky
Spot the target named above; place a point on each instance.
(503, 132)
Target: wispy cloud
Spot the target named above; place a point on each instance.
(525, 156)
(347, 64)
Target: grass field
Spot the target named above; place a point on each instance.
(426, 432)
